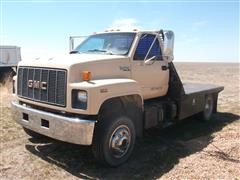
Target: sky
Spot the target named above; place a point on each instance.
(205, 31)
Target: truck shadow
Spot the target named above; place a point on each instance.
(155, 154)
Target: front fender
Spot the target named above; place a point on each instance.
(101, 90)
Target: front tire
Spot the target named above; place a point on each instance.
(114, 140)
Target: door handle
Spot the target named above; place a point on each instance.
(164, 68)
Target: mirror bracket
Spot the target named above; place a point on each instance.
(151, 59)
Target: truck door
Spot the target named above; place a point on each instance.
(148, 67)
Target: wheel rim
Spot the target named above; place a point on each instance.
(208, 107)
(120, 141)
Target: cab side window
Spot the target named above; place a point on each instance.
(144, 45)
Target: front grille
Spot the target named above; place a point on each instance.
(42, 84)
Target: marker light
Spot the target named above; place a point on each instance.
(86, 75)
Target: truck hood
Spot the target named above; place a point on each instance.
(66, 61)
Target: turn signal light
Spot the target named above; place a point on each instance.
(86, 75)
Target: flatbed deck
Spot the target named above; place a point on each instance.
(190, 97)
(193, 88)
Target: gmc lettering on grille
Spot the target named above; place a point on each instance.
(37, 84)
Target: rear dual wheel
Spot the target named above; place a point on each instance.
(208, 108)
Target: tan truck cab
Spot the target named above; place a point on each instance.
(111, 87)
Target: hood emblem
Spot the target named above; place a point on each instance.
(37, 84)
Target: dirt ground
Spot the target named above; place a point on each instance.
(189, 150)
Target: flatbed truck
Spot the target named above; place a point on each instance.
(107, 91)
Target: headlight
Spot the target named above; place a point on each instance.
(79, 99)
(82, 96)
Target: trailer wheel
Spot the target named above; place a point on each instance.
(208, 108)
(6, 74)
(114, 140)
(33, 134)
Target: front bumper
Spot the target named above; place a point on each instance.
(68, 129)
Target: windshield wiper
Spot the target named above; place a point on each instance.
(100, 50)
(97, 50)
(74, 52)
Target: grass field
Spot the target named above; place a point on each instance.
(189, 150)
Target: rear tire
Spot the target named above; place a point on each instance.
(208, 108)
(114, 139)
(33, 134)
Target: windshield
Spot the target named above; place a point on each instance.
(109, 43)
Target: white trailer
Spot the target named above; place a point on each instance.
(9, 56)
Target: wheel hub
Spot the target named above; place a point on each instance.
(120, 141)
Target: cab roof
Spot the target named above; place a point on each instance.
(127, 31)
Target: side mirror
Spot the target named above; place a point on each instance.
(168, 46)
(149, 61)
(71, 43)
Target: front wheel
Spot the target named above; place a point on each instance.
(114, 141)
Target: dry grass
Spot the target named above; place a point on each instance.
(190, 150)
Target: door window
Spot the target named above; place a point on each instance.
(146, 42)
